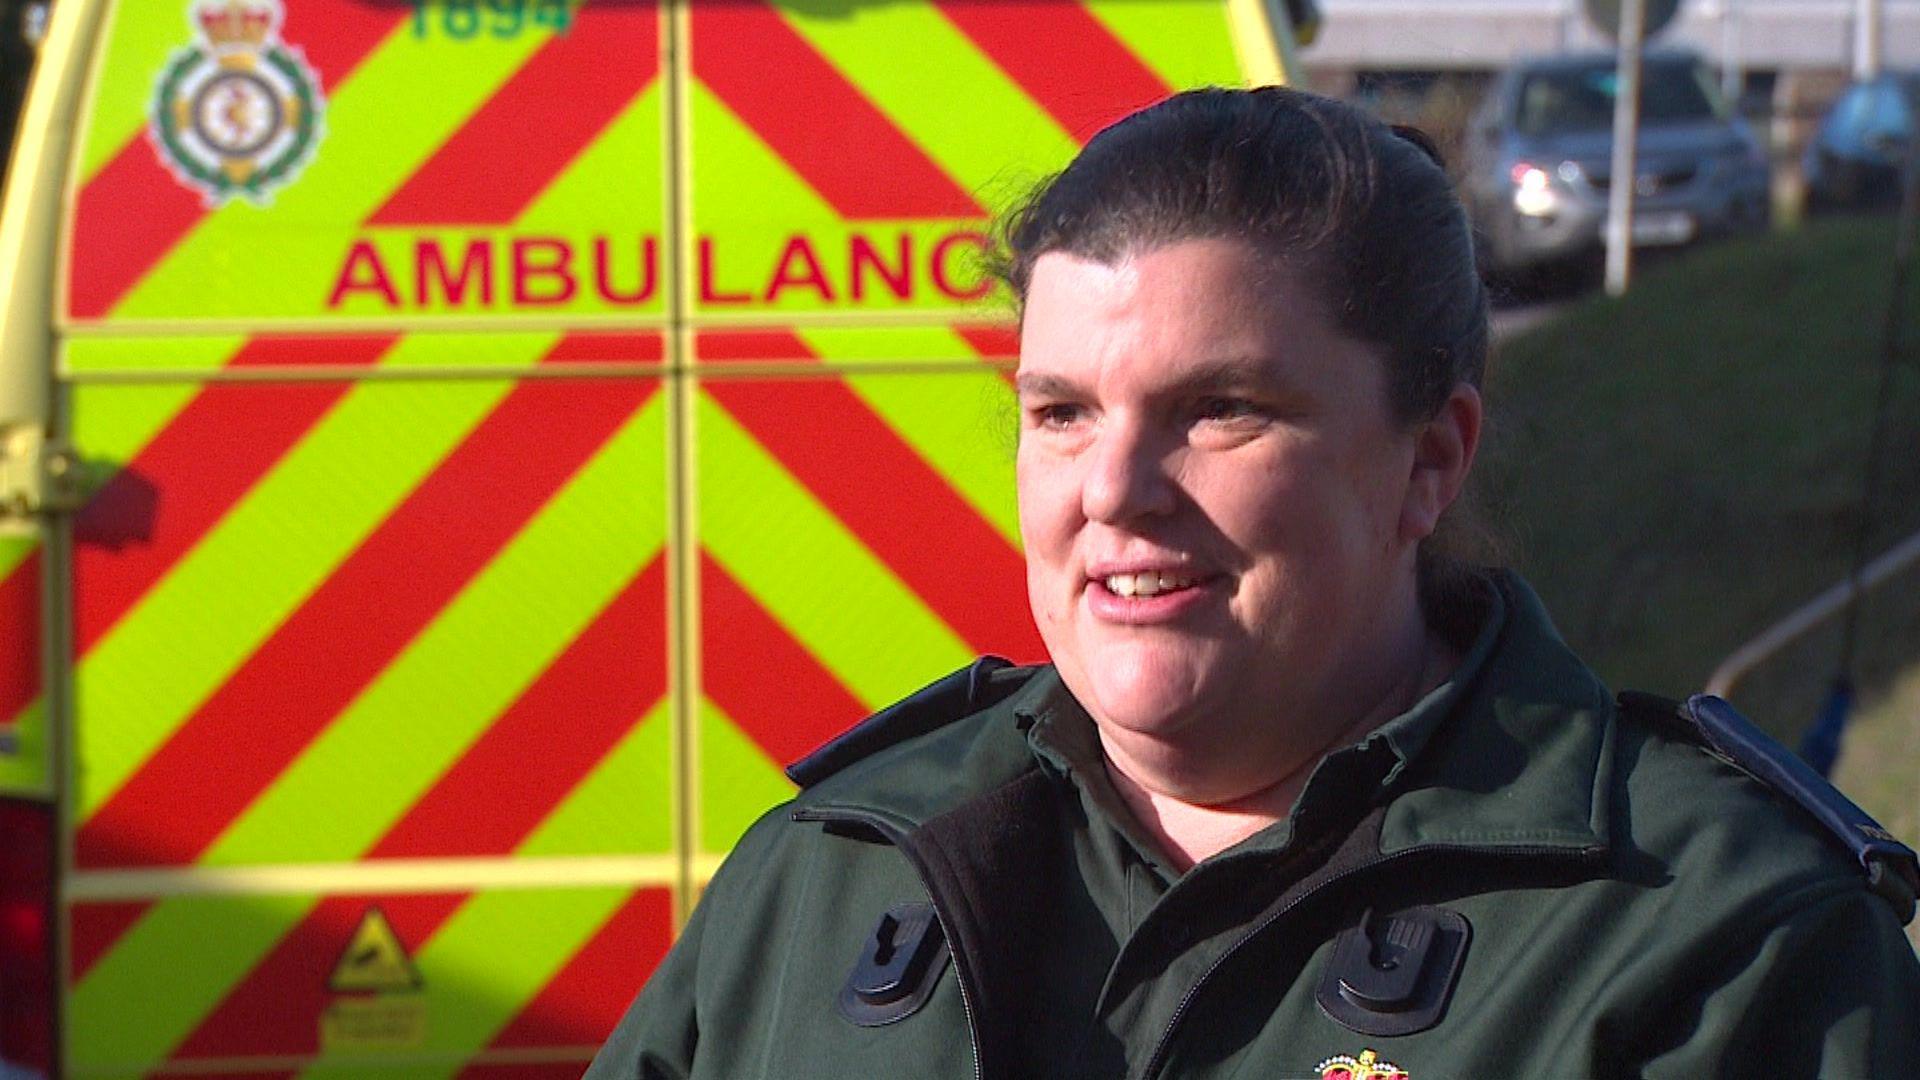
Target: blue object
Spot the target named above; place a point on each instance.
(1892, 868)
(1820, 747)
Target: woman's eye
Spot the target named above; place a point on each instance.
(1225, 409)
(1055, 415)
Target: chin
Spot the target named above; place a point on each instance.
(1145, 689)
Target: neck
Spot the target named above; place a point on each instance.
(1190, 830)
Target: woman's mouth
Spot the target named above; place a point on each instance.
(1148, 583)
(1145, 597)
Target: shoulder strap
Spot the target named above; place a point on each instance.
(1891, 867)
(963, 693)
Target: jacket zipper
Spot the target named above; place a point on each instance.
(898, 838)
(1164, 1046)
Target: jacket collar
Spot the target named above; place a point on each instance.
(1526, 762)
(921, 779)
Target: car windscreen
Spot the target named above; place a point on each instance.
(1581, 98)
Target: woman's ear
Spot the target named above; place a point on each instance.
(1443, 451)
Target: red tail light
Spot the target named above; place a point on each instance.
(27, 987)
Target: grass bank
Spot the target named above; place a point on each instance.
(1879, 764)
(1678, 469)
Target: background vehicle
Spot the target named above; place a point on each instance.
(1540, 157)
(1855, 158)
(454, 453)
(22, 23)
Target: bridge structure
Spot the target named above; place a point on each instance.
(1484, 35)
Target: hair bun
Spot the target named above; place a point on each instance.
(1422, 140)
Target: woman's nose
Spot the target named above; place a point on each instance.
(1127, 475)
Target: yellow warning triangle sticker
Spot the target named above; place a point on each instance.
(374, 959)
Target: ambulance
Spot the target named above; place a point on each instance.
(453, 453)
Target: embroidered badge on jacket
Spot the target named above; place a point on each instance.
(1367, 1066)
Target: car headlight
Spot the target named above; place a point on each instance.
(1533, 193)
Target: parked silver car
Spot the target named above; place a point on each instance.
(1540, 160)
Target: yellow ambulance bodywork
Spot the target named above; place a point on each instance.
(455, 453)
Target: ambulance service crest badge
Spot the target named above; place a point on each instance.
(1367, 1066)
(236, 113)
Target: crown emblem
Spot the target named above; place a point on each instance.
(1367, 1066)
(235, 25)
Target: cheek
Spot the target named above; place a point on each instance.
(1313, 503)
(1048, 504)
(1382, 490)
(1262, 504)
(1045, 601)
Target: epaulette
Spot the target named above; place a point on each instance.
(1891, 867)
(977, 686)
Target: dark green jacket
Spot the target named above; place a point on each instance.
(1635, 906)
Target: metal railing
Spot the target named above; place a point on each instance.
(1829, 603)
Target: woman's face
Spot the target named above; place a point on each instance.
(1213, 493)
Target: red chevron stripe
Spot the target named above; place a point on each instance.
(540, 120)
(595, 691)
(93, 927)
(738, 346)
(183, 482)
(992, 342)
(20, 658)
(337, 35)
(876, 483)
(129, 216)
(760, 677)
(596, 347)
(487, 803)
(276, 1009)
(818, 122)
(583, 1002)
(134, 211)
(1067, 62)
(351, 628)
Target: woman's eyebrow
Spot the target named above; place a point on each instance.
(1040, 384)
(1232, 373)
(1236, 374)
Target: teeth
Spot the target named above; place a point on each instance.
(1150, 583)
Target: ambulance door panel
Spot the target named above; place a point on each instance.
(857, 540)
(501, 982)
(372, 162)
(846, 158)
(365, 613)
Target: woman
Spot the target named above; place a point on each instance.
(1299, 795)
